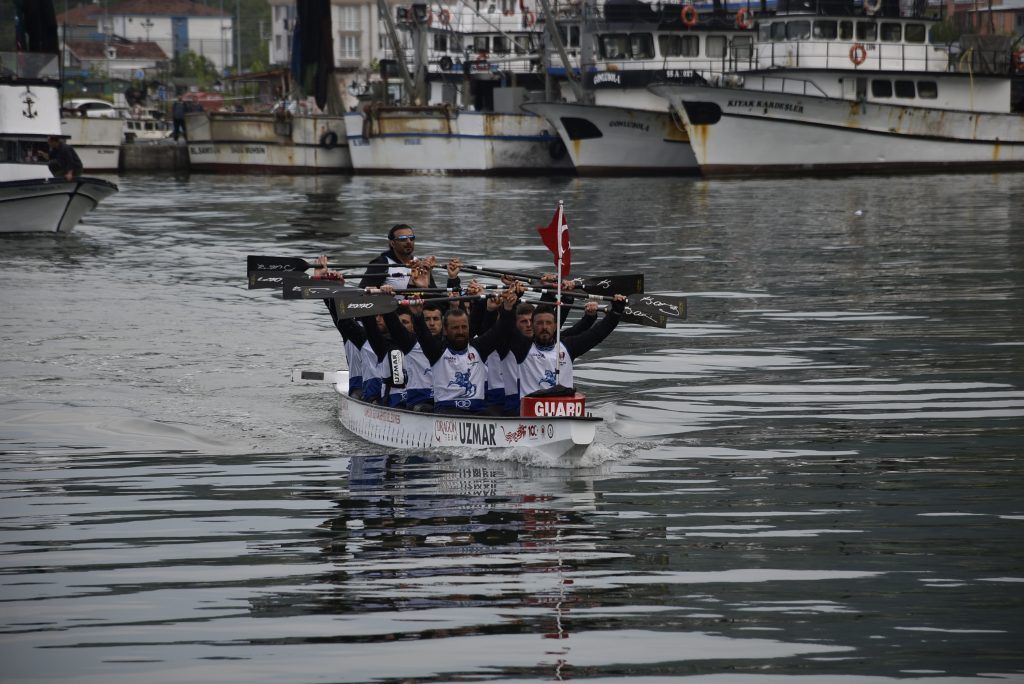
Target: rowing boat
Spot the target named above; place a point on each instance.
(562, 437)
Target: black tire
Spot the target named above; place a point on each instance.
(329, 140)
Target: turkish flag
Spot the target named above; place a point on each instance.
(550, 235)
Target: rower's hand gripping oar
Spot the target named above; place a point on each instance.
(608, 285)
(641, 304)
(277, 263)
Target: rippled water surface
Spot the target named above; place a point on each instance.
(816, 478)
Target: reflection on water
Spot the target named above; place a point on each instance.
(815, 478)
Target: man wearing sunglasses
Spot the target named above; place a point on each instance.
(392, 267)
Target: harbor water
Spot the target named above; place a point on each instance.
(817, 477)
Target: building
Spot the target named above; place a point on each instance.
(1004, 17)
(176, 26)
(123, 60)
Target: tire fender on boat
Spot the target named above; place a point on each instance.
(529, 18)
(858, 53)
(744, 18)
(688, 15)
(872, 6)
(329, 140)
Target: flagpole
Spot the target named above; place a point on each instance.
(558, 297)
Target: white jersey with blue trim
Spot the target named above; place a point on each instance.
(354, 360)
(537, 371)
(374, 372)
(398, 274)
(419, 383)
(460, 379)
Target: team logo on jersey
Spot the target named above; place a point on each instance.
(549, 378)
(462, 380)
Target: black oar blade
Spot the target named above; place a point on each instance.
(367, 305)
(674, 307)
(614, 284)
(646, 317)
(318, 289)
(274, 279)
(276, 263)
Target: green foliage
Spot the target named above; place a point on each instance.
(947, 31)
(194, 66)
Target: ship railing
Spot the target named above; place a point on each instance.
(846, 55)
(29, 66)
(781, 84)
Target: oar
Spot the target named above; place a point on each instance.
(274, 279)
(315, 289)
(639, 317)
(641, 304)
(610, 284)
(372, 305)
(277, 263)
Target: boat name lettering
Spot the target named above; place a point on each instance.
(476, 433)
(251, 149)
(767, 104)
(524, 431)
(413, 141)
(607, 77)
(558, 408)
(629, 124)
(386, 416)
(201, 149)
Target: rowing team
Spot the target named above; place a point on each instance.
(471, 354)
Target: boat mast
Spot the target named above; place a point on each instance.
(396, 46)
(556, 40)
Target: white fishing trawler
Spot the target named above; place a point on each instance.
(94, 128)
(31, 199)
(852, 89)
(619, 126)
(459, 106)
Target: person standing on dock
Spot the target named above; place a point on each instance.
(178, 116)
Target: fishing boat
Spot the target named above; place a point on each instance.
(856, 87)
(95, 134)
(560, 429)
(460, 89)
(620, 126)
(31, 199)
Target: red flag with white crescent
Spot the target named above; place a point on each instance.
(550, 234)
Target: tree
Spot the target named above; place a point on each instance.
(192, 65)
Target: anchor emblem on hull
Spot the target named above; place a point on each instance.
(29, 101)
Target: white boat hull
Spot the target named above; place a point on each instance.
(454, 143)
(262, 143)
(609, 140)
(774, 132)
(563, 438)
(49, 205)
(96, 140)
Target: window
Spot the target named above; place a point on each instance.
(481, 44)
(846, 30)
(441, 42)
(743, 47)
(927, 90)
(348, 45)
(348, 18)
(614, 46)
(867, 30)
(641, 46)
(914, 33)
(891, 32)
(825, 30)
(499, 45)
(881, 88)
(715, 46)
(764, 33)
(277, 47)
(779, 31)
(904, 89)
(678, 46)
(570, 35)
(798, 30)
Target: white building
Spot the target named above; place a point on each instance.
(177, 26)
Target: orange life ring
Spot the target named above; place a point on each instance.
(445, 16)
(744, 18)
(529, 18)
(689, 16)
(858, 53)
